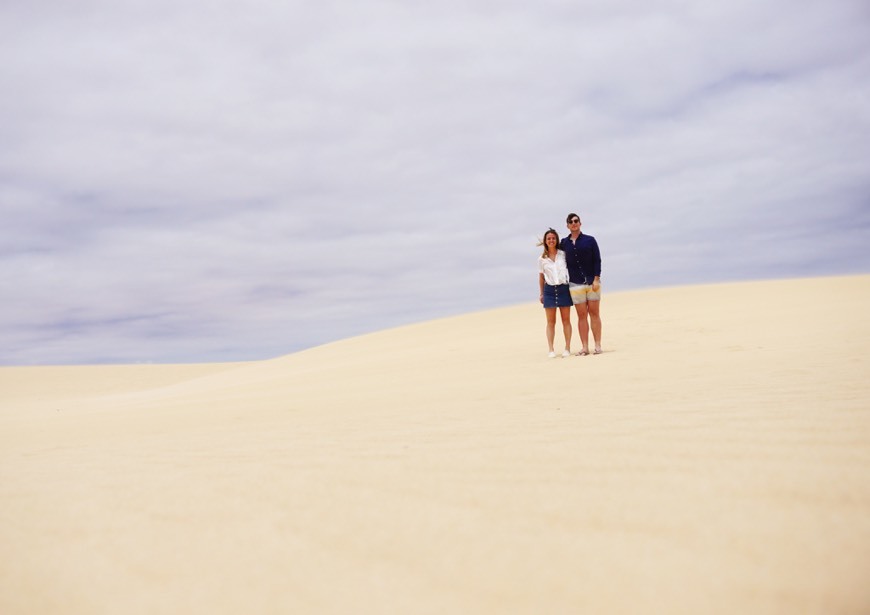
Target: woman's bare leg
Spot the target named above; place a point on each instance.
(551, 327)
(565, 313)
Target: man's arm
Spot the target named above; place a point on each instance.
(596, 283)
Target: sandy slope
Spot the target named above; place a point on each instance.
(716, 459)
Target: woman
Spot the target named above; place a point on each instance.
(553, 281)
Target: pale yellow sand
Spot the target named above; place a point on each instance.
(716, 459)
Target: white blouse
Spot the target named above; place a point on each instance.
(555, 272)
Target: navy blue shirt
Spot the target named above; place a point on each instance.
(583, 258)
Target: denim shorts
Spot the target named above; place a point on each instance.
(557, 296)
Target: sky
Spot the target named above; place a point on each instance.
(204, 180)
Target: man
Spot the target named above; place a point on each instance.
(584, 269)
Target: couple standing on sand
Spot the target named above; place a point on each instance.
(570, 274)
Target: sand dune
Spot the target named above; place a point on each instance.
(715, 459)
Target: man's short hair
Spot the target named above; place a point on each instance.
(568, 219)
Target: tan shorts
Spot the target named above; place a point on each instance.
(581, 293)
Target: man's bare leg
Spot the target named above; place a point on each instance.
(583, 327)
(594, 310)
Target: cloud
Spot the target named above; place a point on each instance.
(197, 182)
